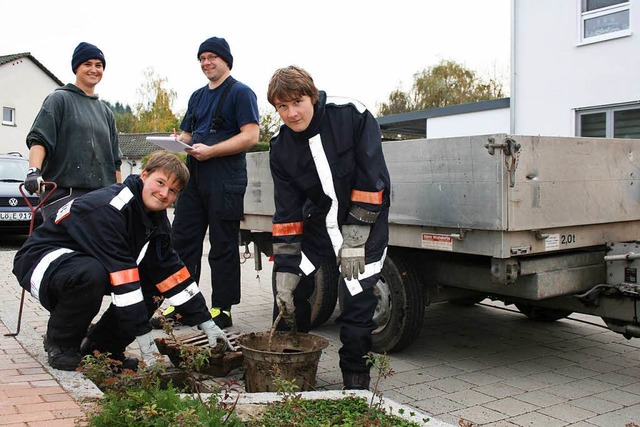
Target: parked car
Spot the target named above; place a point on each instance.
(15, 215)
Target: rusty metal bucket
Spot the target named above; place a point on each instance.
(294, 355)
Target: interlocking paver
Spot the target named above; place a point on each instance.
(511, 406)
(540, 398)
(567, 412)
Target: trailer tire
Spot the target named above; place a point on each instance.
(400, 310)
(324, 298)
(542, 314)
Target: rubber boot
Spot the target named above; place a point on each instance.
(355, 380)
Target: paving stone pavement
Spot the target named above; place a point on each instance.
(485, 365)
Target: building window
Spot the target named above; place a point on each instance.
(604, 20)
(8, 116)
(610, 122)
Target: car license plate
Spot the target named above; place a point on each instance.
(15, 216)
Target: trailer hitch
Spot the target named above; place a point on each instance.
(511, 150)
(592, 296)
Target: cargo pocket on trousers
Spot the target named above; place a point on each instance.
(233, 202)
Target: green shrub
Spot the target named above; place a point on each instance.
(153, 405)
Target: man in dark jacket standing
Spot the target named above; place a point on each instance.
(115, 241)
(221, 124)
(327, 160)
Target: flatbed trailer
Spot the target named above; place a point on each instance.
(550, 224)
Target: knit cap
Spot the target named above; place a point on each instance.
(220, 47)
(85, 51)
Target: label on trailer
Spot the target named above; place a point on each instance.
(552, 243)
(439, 242)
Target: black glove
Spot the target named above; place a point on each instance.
(34, 180)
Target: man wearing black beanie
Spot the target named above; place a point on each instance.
(221, 124)
(73, 140)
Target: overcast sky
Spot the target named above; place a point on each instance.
(358, 49)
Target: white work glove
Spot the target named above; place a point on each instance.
(214, 333)
(286, 283)
(352, 252)
(148, 349)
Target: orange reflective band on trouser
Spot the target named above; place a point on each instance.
(173, 280)
(124, 276)
(288, 229)
(374, 198)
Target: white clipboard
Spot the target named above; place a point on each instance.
(169, 143)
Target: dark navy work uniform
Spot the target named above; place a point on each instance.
(214, 196)
(102, 243)
(334, 169)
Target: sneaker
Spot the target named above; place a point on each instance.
(221, 317)
(88, 347)
(63, 358)
(169, 313)
(355, 380)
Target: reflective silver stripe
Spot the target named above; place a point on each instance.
(306, 266)
(41, 269)
(287, 248)
(370, 269)
(363, 215)
(341, 100)
(326, 179)
(122, 198)
(142, 253)
(125, 300)
(184, 295)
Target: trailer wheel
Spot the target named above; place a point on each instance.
(324, 297)
(542, 314)
(325, 294)
(400, 310)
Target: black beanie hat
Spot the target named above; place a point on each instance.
(220, 47)
(85, 51)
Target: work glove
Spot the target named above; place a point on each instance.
(352, 251)
(214, 333)
(148, 349)
(286, 283)
(34, 181)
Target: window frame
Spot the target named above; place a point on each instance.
(11, 122)
(609, 111)
(604, 11)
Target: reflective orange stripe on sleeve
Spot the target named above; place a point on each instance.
(288, 229)
(124, 276)
(173, 280)
(374, 198)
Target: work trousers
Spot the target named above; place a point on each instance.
(75, 290)
(356, 325)
(194, 213)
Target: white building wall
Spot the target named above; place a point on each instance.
(553, 74)
(23, 86)
(476, 123)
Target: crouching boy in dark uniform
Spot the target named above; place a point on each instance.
(115, 241)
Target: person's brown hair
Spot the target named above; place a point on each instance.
(169, 163)
(291, 83)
